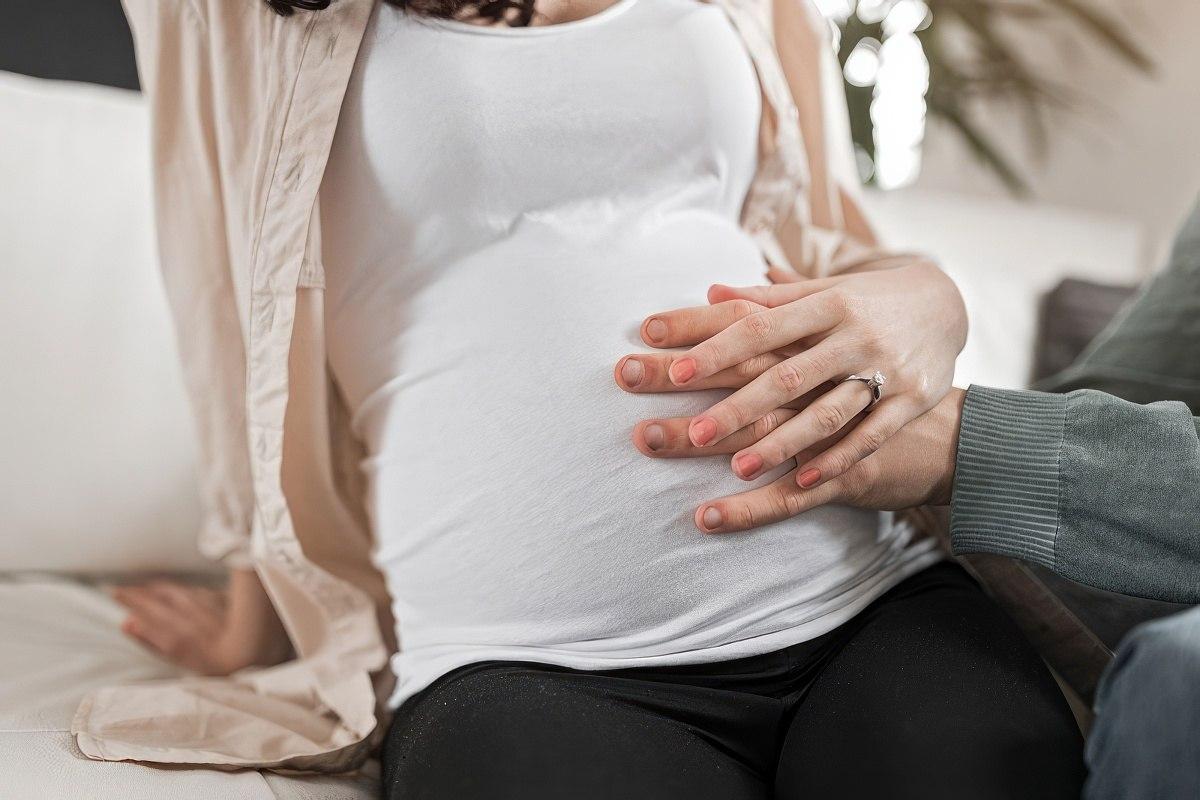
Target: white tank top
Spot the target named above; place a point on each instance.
(502, 208)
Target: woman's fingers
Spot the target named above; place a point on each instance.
(757, 333)
(201, 607)
(822, 419)
(779, 500)
(171, 605)
(668, 438)
(179, 622)
(647, 373)
(143, 602)
(781, 292)
(780, 384)
(151, 618)
(777, 274)
(879, 425)
(685, 327)
(158, 638)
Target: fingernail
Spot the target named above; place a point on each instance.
(632, 372)
(654, 436)
(711, 518)
(682, 371)
(656, 330)
(808, 478)
(702, 432)
(749, 464)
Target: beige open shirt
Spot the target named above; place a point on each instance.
(243, 106)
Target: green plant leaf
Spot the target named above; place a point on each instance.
(993, 70)
(1108, 31)
(987, 153)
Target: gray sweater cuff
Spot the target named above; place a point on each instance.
(1006, 484)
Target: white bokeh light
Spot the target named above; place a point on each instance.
(862, 65)
(836, 10)
(906, 16)
(898, 108)
(873, 11)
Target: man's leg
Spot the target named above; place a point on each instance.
(1145, 743)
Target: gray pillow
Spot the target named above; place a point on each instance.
(1072, 314)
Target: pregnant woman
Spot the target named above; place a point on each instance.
(510, 191)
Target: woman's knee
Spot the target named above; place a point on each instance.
(479, 706)
(942, 670)
(514, 731)
(444, 739)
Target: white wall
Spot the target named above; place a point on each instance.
(1133, 152)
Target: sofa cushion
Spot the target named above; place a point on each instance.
(60, 640)
(98, 471)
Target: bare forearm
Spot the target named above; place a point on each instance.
(254, 633)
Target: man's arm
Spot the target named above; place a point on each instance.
(1103, 491)
(1090, 483)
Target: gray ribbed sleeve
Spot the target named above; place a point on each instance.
(1101, 490)
(1006, 486)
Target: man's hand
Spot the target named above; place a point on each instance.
(914, 467)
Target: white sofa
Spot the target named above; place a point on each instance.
(97, 480)
(97, 476)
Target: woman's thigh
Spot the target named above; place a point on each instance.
(936, 694)
(515, 731)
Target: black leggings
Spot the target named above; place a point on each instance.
(930, 692)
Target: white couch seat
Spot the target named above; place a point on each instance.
(60, 638)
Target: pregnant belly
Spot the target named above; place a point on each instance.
(504, 487)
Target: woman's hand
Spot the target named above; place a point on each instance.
(209, 631)
(787, 347)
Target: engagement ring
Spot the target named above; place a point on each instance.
(874, 383)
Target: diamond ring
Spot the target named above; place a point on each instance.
(874, 383)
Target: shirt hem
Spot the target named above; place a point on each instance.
(918, 557)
